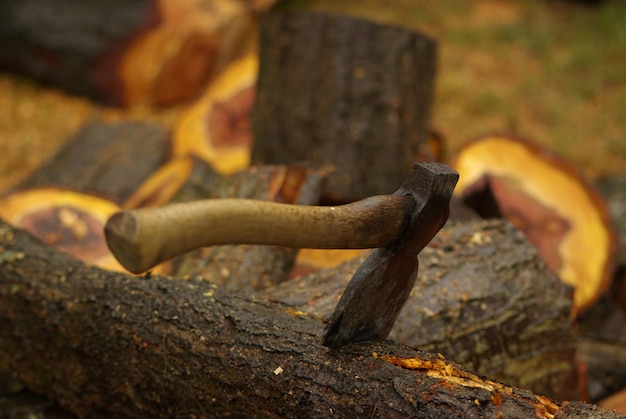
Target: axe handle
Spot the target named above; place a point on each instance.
(143, 238)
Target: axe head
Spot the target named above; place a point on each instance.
(378, 290)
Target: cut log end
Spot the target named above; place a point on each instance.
(65, 219)
(547, 197)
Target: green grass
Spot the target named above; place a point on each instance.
(551, 71)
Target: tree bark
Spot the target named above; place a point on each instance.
(105, 344)
(108, 159)
(504, 316)
(342, 94)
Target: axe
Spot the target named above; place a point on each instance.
(399, 226)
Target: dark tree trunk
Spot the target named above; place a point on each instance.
(342, 94)
(105, 344)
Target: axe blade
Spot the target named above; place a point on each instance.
(380, 287)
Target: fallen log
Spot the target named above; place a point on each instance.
(108, 344)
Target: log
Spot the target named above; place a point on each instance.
(359, 109)
(123, 52)
(106, 159)
(106, 344)
(483, 298)
(216, 127)
(70, 221)
(548, 198)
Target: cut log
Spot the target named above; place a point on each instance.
(548, 198)
(483, 298)
(69, 221)
(123, 52)
(251, 267)
(106, 159)
(216, 128)
(105, 344)
(359, 109)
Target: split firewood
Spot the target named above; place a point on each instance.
(106, 159)
(67, 220)
(125, 53)
(362, 113)
(109, 344)
(216, 128)
(550, 201)
(162, 185)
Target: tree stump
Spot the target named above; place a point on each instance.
(343, 94)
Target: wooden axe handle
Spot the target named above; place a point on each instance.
(143, 238)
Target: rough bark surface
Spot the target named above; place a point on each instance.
(483, 298)
(108, 159)
(351, 95)
(105, 344)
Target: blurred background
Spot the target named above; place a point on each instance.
(549, 71)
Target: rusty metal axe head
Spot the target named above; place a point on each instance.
(378, 290)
